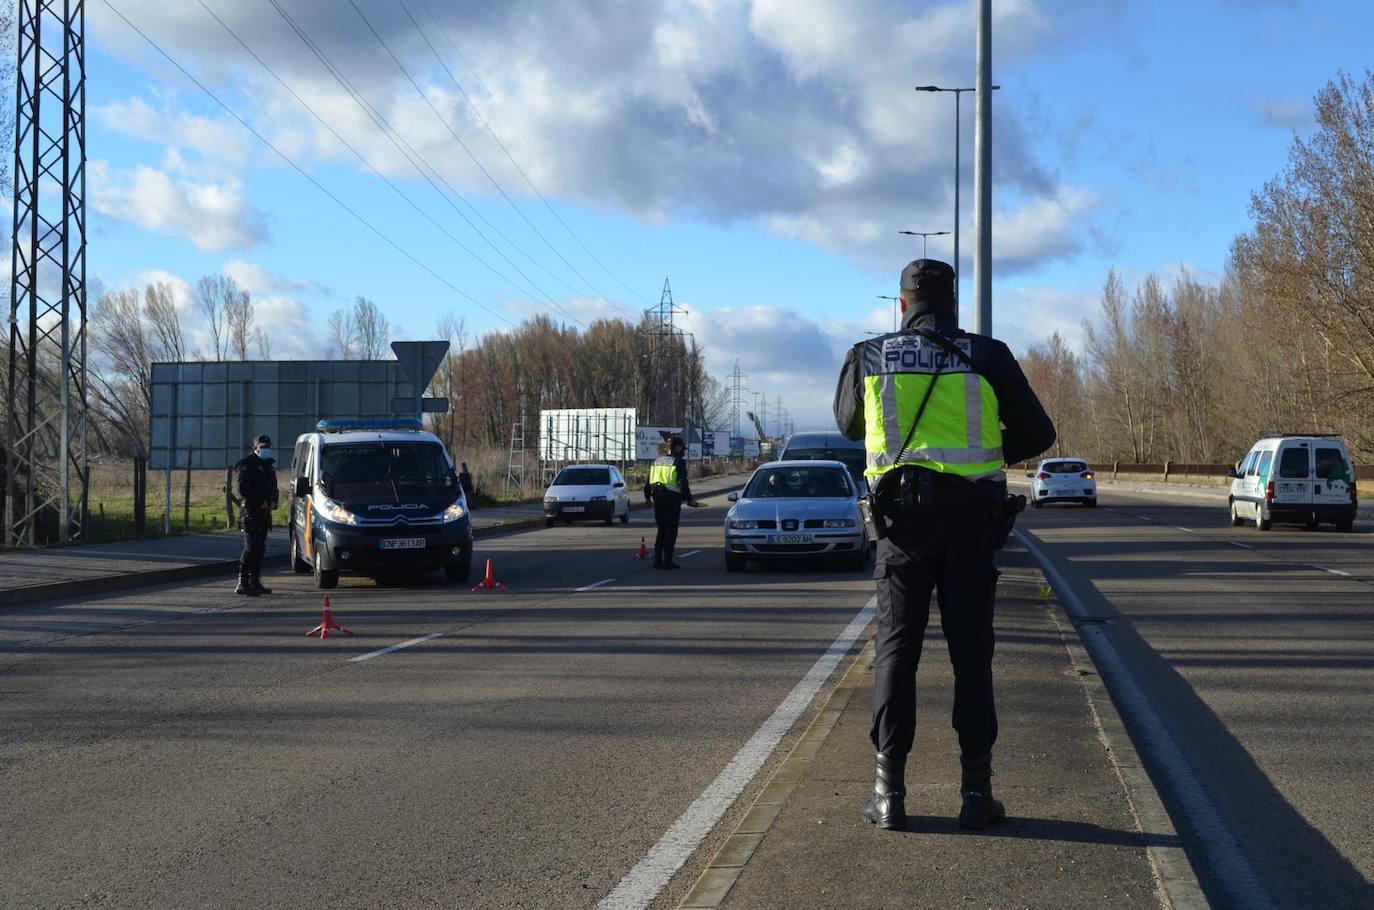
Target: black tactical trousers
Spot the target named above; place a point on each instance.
(949, 551)
(254, 546)
(667, 515)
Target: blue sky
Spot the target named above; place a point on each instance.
(760, 153)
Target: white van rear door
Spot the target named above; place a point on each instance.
(1293, 479)
(1334, 475)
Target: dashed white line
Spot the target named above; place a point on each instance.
(404, 644)
(688, 553)
(1184, 530)
(1330, 570)
(1237, 543)
(1144, 518)
(594, 585)
(643, 883)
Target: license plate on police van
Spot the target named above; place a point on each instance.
(403, 543)
(574, 508)
(792, 538)
(1291, 489)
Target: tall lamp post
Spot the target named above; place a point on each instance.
(924, 235)
(957, 92)
(895, 301)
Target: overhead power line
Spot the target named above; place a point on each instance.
(300, 170)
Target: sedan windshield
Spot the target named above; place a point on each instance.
(799, 483)
(582, 477)
(385, 470)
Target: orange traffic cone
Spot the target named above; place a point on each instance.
(327, 623)
(643, 550)
(489, 583)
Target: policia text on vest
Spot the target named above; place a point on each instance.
(940, 412)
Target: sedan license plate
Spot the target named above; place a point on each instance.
(792, 538)
(574, 508)
(403, 543)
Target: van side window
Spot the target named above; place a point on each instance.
(1294, 463)
(1248, 468)
(1265, 461)
(1330, 463)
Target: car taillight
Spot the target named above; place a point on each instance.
(1044, 475)
(1087, 475)
(1269, 491)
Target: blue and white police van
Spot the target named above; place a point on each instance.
(373, 497)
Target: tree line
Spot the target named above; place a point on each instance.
(1185, 371)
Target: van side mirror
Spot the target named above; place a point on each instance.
(1030, 473)
(733, 497)
(618, 485)
(301, 486)
(1231, 473)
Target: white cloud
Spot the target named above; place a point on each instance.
(220, 139)
(213, 216)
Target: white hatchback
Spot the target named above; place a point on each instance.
(1062, 480)
(587, 491)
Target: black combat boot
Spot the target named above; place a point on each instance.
(257, 583)
(979, 810)
(885, 808)
(246, 587)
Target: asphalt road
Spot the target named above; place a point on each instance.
(1246, 679)
(180, 747)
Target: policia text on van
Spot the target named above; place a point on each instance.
(377, 496)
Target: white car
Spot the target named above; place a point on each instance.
(1062, 480)
(1303, 479)
(796, 510)
(595, 491)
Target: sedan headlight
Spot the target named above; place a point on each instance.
(331, 511)
(839, 523)
(453, 512)
(743, 524)
(549, 500)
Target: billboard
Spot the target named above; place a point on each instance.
(587, 434)
(216, 409)
(700, 443)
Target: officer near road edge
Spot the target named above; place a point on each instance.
(255, 483)
(668, 489)
(941, 412)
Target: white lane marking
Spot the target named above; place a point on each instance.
(594, 585)
(404, 644)
(1237, 543)
(1184, 530)
(1226, 859)
(688, 553)
(1331, 570)
(643, 883)
(1144, 518)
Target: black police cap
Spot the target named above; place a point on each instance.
(929, 279)
(265, 441)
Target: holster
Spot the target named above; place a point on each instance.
(1011, 507)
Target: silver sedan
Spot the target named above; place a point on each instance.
(796, 509)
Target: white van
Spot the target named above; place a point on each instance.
(1302, 479)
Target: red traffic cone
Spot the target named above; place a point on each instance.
(489, 583)
(327, 623)
(643, 550)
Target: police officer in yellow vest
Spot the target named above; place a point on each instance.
(669, 489)
(940, 412)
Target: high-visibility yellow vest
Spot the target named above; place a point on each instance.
(959, 432)
(664, 472)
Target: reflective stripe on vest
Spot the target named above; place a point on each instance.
(959, 432)
(664, 471)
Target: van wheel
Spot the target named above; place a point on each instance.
(298, 565)
(1262, 521)
(1345, 525)
(325, 578)
(1236, 520)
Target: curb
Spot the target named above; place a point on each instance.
(720, 875)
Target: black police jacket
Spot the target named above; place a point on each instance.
(1027, 429)
(255, 482)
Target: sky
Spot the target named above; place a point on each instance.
(493, 159)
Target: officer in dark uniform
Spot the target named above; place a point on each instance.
(255, 482)
(941, 413)
(668, 489)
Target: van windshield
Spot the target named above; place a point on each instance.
(385, 470)
(854, 459)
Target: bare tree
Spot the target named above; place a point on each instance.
(214, 297)
(343, 344)
(264, 343)
(160, 309)
(238, 322)
(371, 329)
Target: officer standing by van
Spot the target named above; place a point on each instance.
(941, 412)
(255, 482)
(668, 489)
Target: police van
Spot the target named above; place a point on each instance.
(372, 497)
(1303, 479)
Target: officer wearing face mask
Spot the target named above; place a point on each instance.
(941, 413)
(255, 483)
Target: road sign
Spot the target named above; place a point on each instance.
(420, 360)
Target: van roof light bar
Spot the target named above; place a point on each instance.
(377, 425)
(1271, 433)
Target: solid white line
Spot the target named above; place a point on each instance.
(643, 883)
(1226, 859)
(1237, 543)
(688, 553)
(1331, 570)
(404, 644)
(1184, 530)
(1144, 518)
(594, 585)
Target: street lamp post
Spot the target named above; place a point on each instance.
(925, 235)
(895, 301)
(957, 92)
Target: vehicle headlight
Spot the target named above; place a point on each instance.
(331, 511)
(453, 512)
(743, 524)
(839, 523)
(596, 499)
(550, 499)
